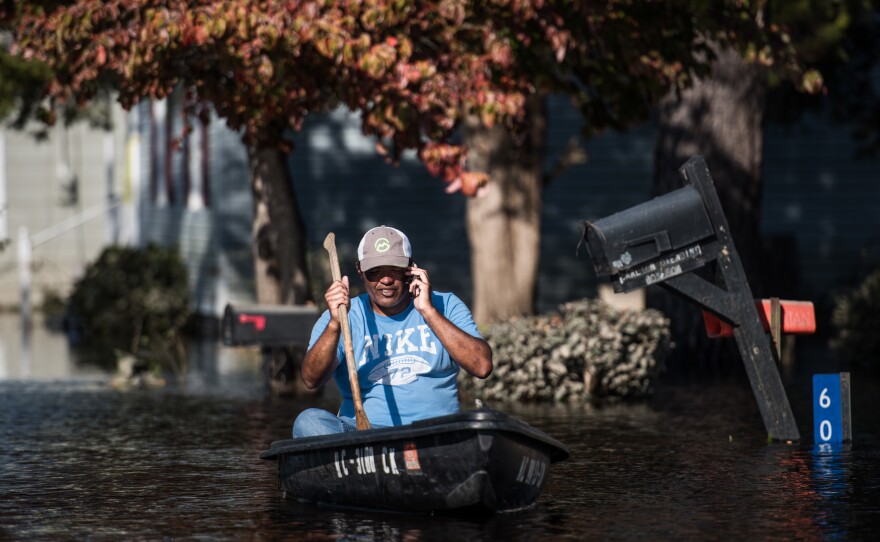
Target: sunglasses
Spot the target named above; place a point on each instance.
(377, 273)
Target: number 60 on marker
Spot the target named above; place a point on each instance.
(831, 408)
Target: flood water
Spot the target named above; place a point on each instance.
(80, 460)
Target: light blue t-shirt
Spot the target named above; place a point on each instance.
(404, 371)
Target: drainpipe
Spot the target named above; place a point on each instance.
(4, 204)
(24, 274)
(112, 198)
(131, 180)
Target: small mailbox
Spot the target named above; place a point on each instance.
(652, 241)
(268, 325)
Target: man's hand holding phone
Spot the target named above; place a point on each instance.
(420, 288)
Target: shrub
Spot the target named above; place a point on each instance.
(53, 307)
(135, 299)
(856, 321)
(587, 350)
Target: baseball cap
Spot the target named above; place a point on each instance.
(384, 245)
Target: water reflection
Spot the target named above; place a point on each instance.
(33, 351)
(79, 460)
(36, 352)
(830, 473)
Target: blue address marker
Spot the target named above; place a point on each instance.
(831, 409)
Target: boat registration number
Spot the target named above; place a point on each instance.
(363, 461)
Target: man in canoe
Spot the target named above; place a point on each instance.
(408, 342)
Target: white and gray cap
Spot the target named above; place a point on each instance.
(384, 245)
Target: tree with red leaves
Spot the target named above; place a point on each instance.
(412, 69)
(416, 71)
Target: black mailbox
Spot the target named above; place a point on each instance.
(661, 242)
(268, 325)
(652, 241)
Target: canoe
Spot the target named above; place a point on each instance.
(480, 461)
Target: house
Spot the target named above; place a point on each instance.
(820, 202)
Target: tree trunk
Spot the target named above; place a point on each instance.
(278, 232)
(719, 118)
(280, 271)
(504, 226)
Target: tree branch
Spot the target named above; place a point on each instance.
(572, 155)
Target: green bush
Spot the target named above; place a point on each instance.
(856, 321)
(134, 299)
(53, 307)
(587, 350)
(53, 303)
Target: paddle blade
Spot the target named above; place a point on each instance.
(330, 245)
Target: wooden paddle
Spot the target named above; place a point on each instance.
(360, 415)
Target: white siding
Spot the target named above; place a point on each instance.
(35, 196)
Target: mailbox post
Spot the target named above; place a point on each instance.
(270, 327)
(663, 241)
